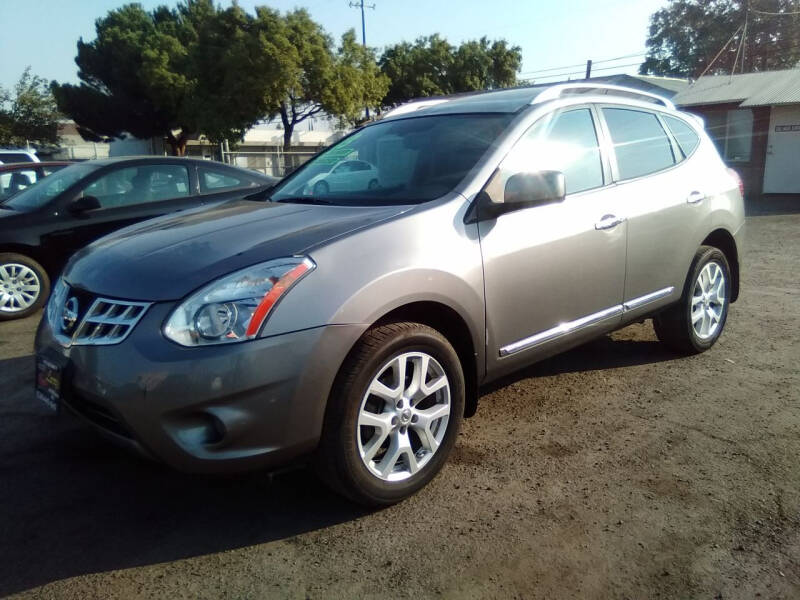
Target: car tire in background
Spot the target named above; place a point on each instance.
(393, 415)
(696, 322)
(373, 184)
(24, 286)
(321, 188)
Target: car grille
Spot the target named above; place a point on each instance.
(106, 321)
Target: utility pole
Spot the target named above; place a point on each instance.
(588, 68)
(360, 4)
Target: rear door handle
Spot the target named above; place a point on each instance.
(695, 198)
(609, 222)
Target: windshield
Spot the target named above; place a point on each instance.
(395, 162)
(48, 188)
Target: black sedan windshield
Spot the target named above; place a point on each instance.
(48, 188)
(395, 162)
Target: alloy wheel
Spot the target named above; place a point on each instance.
(403, 416)
(708, 301)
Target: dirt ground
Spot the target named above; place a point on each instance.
(617, 470)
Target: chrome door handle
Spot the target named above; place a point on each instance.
(609, 222)
(695, 198)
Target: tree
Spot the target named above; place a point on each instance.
(199, 68)
(686, 36)
(432, 66)
(29, 115)
(316, 79)
(172, 73)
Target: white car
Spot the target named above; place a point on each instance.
(8, 156)
(345, 176)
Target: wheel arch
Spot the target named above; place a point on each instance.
(29, 251)
(723, 240)
(451, 325)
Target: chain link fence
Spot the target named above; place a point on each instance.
(276, 163)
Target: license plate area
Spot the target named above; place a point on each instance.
(49, 376)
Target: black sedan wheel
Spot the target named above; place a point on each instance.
(24, 286)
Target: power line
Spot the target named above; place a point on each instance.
(582, 64)
(582, 72)
(721, 51)
(774, 14)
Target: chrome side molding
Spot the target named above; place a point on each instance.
(561, 330)
(647, 298)
(587, 321)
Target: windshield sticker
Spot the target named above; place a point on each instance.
(339, 152)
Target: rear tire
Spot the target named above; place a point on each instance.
(321, 188)
(696, 322)
(24, 286)
(385, 437)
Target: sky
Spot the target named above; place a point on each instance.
(42, 34)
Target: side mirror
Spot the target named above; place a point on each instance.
(524, 190)
(83, 204)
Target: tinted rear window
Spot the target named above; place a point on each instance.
(640, 143)
(685, 136)
(14, 157)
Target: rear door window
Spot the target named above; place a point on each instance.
(140, 185)
(685, 136)
(640, 143)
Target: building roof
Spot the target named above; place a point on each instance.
(672, 84)
(749, 89)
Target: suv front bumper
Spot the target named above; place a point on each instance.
(213, 408)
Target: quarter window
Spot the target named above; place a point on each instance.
(215, 180)
(685, 136)
(640, 143)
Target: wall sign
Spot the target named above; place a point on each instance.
(784, 128)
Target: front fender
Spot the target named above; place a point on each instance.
(425, 255)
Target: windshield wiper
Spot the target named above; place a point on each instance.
(303, 200)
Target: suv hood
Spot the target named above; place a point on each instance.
(166, 258)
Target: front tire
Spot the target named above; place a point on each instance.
(24, 286)
(394, 414)
(696, 322)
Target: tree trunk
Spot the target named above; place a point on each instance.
(177, 144)
(288, 127)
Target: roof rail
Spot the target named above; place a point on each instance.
(563, 89)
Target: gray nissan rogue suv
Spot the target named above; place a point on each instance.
(354, 323)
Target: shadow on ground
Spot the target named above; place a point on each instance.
(603, 353)
(73, 504)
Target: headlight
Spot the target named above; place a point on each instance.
(233, 308)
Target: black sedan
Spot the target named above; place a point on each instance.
(43, 225)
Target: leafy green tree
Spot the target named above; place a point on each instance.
(686, 35)
(432, 66)
(199, 68)
(317, 78)
(29, 114)
(173, 73)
